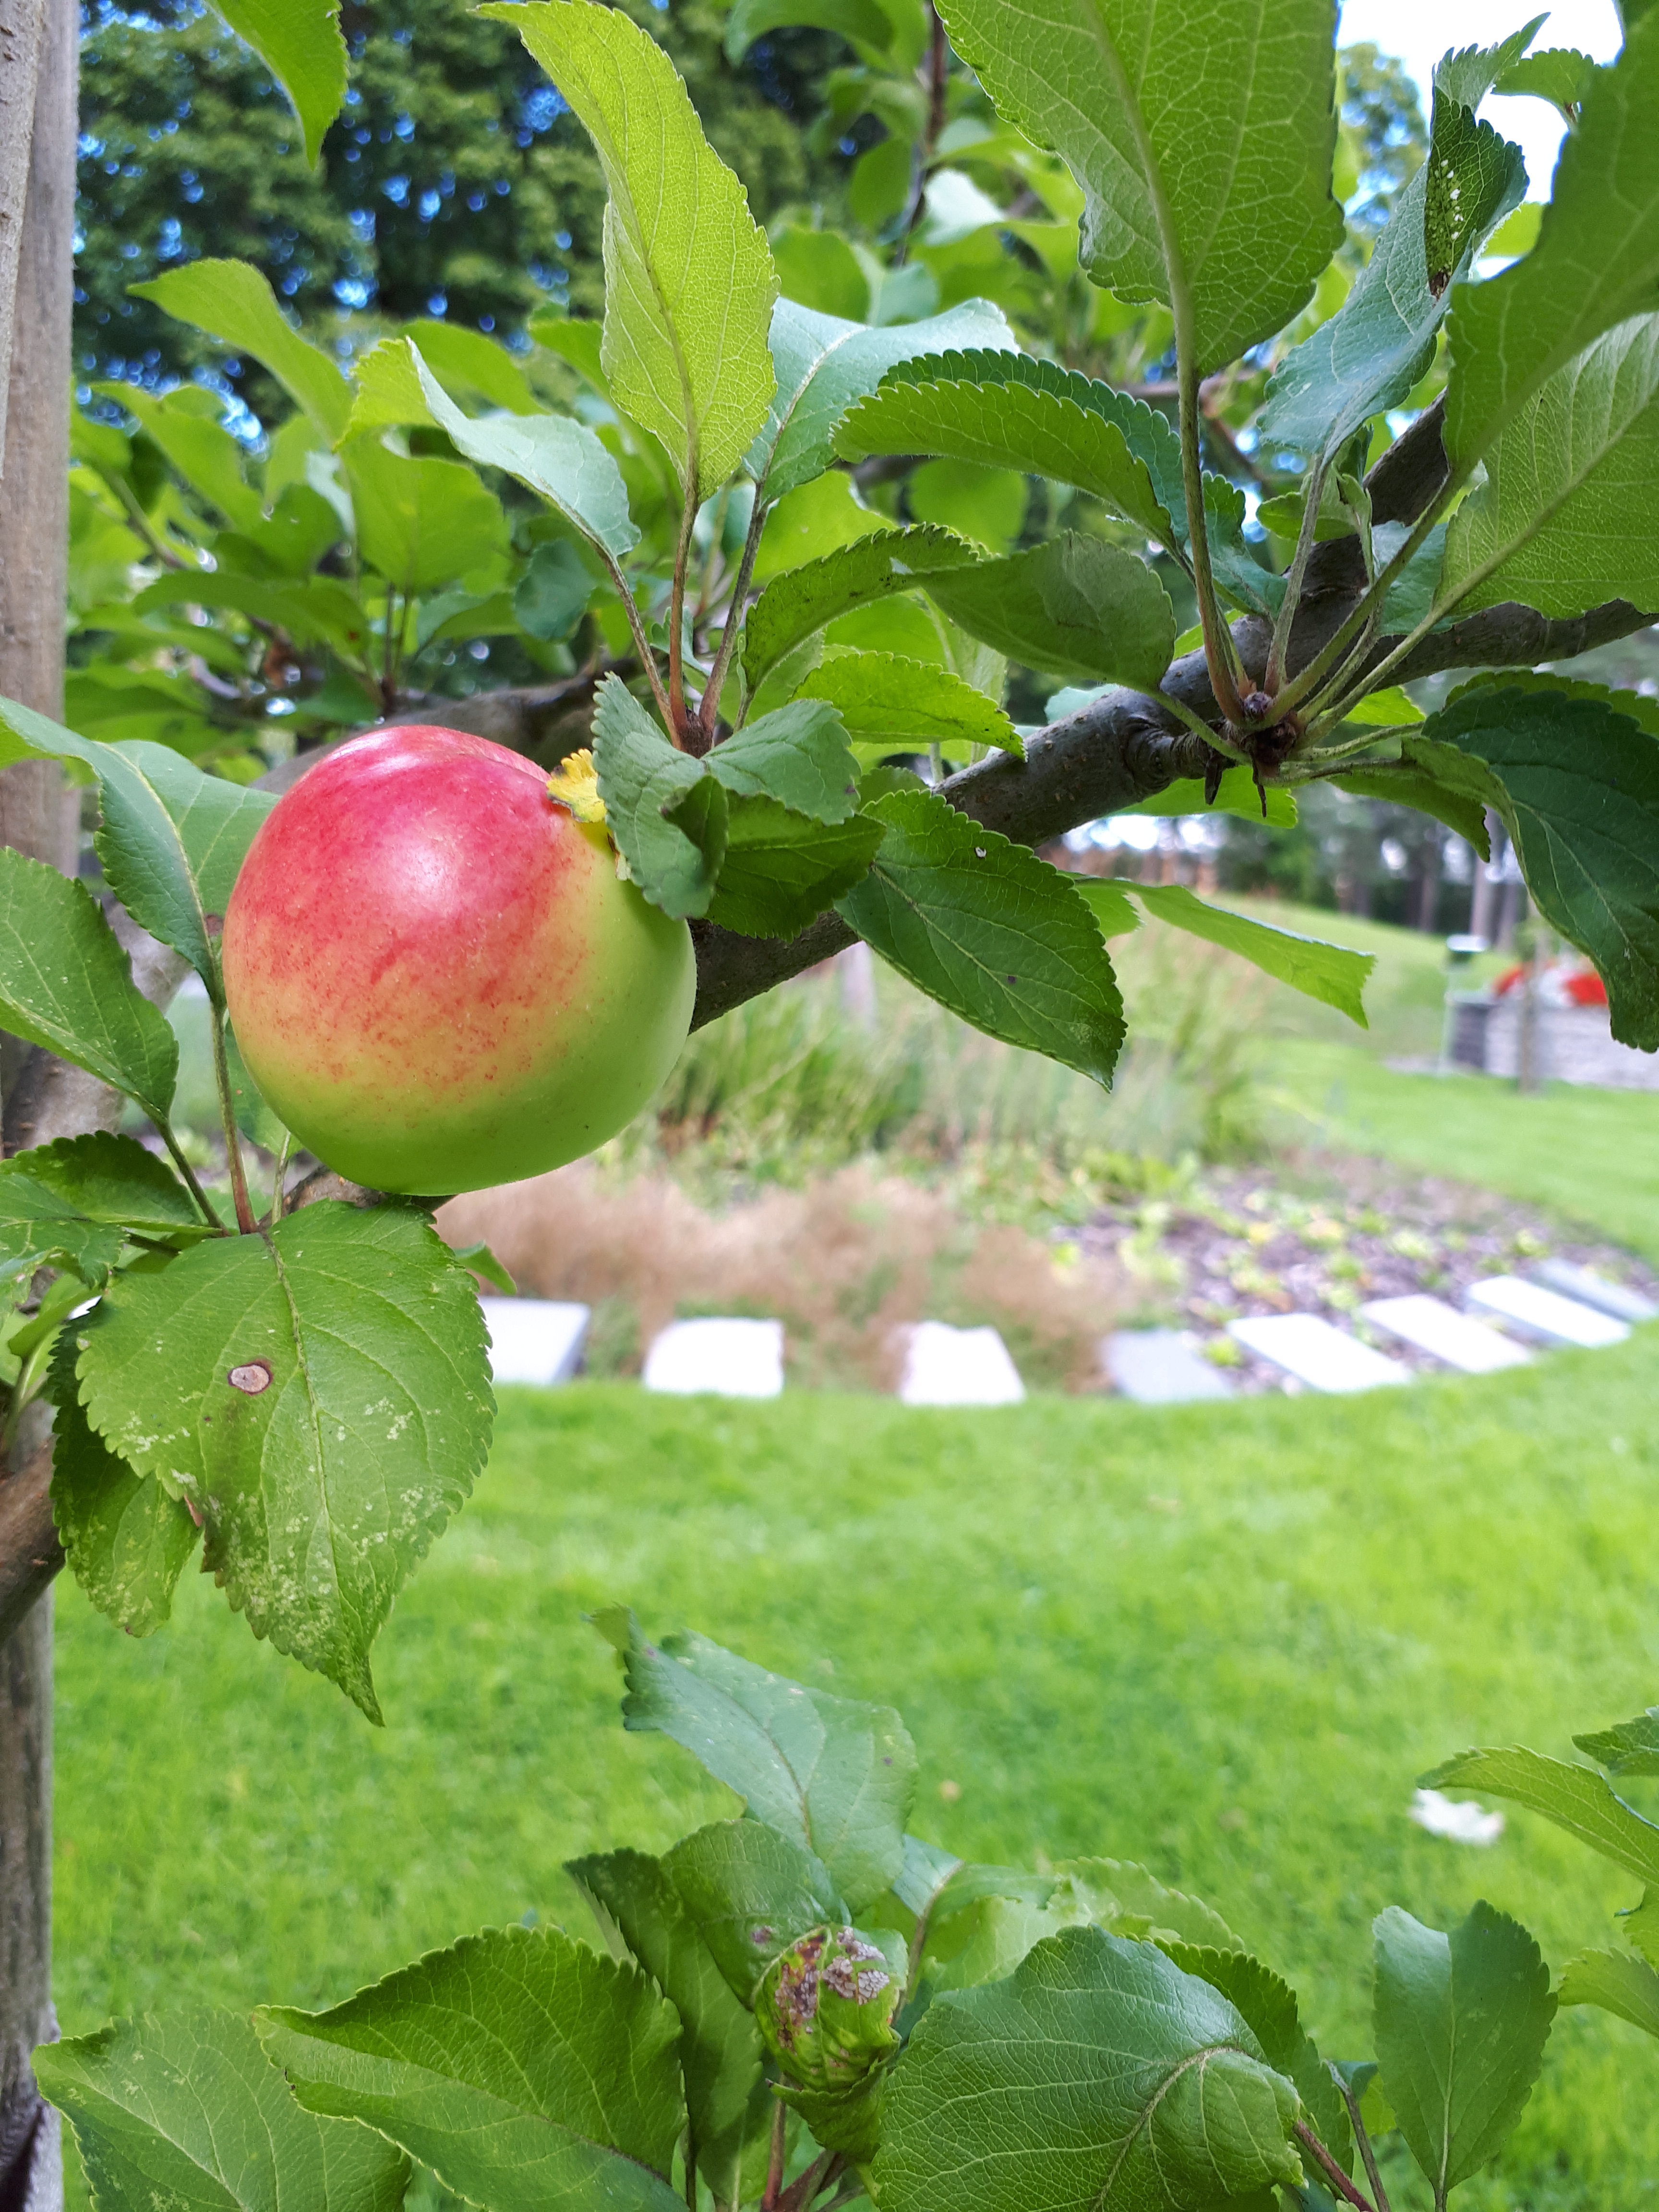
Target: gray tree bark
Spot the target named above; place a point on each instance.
(37, 124)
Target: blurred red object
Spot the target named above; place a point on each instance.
(1561, 987)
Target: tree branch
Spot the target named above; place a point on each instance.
(1123, 748)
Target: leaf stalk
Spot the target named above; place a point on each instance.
(1218, 650)
(1332, 2172)
(708, 712)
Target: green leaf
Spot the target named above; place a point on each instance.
(1577, 787)
(1331, 973)
(172, 840)
(1616, 1982)
(1125, 1899)
(70, 1205)
(668, 817)
(312, 610)
(726, 2101)
(125, 1537)
(749, 1892)
(302, 48)
(1236, 793)
(861, 21)
(200, 449)
(824, 364)
(1381, 342)
(1203, 142)
(1565, 520)
(1074, 605)
(1595, 265)
(1560, 75)
(1098, 2078)
(991, 932)
(831, 1774)
(420, 522)
(782, 869)
(1629, 1747)
(1398, 783)
(799, 756)
(1110, 903)
(66, 984)
(923, 1877)
(553, 456)
(1460, 2022)
(1472, 176)
(1007, 411)
(905, 705)
(796, 606)
(689, 278)
(1574, 1797)
(552, 595)
(233, 303)
(1268, 2005)
(324, 1403)
(187, 2111)
(520, 2066)
(987, 1938)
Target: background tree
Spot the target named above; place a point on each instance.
(455, 182)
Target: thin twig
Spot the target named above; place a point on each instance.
(1366, 2152)
(281, 1177)
(209, 1211)
(1273, 673)
(775, 2162)
(939, 67)
(245, 1221)
(1333, 2173)
(819, 2176)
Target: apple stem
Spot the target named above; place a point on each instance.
(245, 1221)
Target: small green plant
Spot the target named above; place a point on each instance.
(808, 2005)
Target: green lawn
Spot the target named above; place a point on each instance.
(1222, 1640)
(1592, 1155)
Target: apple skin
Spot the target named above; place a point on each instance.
(434, 975)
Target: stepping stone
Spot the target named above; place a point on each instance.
(534, 1340)
(728, 1359)
(1457, 1338)
(946, 1366)
(1309, 1348)
(1160, 1367)
(1593, 1290)
(1543, 1315)
(1460, 1821)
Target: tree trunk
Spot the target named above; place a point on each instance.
(37, 815)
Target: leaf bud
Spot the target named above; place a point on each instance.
(825, 2006)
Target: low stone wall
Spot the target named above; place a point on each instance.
(1574, 1044)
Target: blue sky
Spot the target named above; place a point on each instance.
(1420, 31)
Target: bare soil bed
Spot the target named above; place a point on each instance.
(1324, 1235)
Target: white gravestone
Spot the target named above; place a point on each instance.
(1322, 1357)
(1593, 1290)
(1160, 1367)
(946, 1366)
(728, 1359)
(1439, 1329)
(534, 1340)
(1543, 1315)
